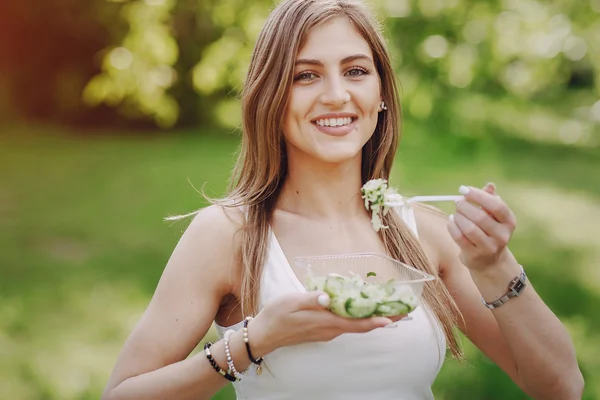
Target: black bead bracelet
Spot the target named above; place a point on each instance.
(215, 365)
(258, 361)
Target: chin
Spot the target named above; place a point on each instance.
(339, 153)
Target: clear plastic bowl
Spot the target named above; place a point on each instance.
(370, 267)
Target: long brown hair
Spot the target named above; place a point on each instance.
(262, 166)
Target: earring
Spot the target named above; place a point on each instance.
(382, 106)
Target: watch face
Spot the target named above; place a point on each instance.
(518, 286)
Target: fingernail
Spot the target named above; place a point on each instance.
(463, 190)
(451, 217)
(323, 300)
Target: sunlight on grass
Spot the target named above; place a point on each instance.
(570, 218)
(73, 344)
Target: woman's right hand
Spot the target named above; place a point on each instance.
(302, 317)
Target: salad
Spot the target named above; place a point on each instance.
(353, 297)
(377, 196)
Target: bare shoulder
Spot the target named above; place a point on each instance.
(429, 217)
(210, 245)
(214, 224)
(217, 219)
(432, 225)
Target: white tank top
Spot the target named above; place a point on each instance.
(399, 362)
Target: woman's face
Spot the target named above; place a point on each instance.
(335, 98)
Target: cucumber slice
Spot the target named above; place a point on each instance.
(374, 292)
(392, 309)
(360, 307)
(399, 292)
(383, 310)
(411, 301)
(338, 306)
(389, 287)
(404, 294)
(316, 283)
(334, 285)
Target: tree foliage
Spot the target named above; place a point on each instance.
(523, 66)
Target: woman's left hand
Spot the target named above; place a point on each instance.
(482, 227)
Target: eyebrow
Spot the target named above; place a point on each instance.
(305, 61)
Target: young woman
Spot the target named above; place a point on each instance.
(321, 118)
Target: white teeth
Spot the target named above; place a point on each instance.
(333, 121)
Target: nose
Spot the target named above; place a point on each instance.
(335, 92)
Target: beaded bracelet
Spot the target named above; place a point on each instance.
(258, 361)
(215, 365)
(232, 369)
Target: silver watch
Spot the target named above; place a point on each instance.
(515, 288)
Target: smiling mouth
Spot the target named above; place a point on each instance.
(334, 122)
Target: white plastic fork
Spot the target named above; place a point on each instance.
(425, 199)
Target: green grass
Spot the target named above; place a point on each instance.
(83, 243)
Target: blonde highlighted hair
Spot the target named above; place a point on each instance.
(261, 167)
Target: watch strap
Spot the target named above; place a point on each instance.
(515, 288)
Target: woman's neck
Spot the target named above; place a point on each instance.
(323, 190)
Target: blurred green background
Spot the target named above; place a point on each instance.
(113, 112)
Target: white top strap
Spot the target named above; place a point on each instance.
(408, 216)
